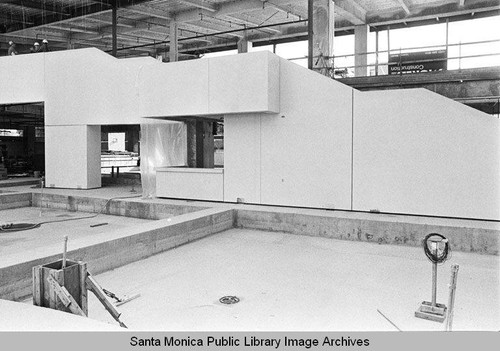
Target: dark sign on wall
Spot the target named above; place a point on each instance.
(416, 62)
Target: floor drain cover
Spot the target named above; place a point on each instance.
(229, 300)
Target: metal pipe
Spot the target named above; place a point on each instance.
(210, 35)
(434, 276)
(376, 52)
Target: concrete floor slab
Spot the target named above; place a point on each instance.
(297, 283)
(23, 317)
(24, 245)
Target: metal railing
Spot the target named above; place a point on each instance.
(380, 62)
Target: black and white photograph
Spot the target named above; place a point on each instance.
(249, 174)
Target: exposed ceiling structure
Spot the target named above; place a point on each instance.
(143, 26)
(20, 116)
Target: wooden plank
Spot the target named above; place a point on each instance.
(65, 297)
(83, 287)
(58, 276)
(72, 281)
(37, 296)
(57, 289)
(93, 286)
(451, 297)
(48, 291)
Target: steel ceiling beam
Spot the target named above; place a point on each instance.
(252, 22)
(78, 13)
(36, 5)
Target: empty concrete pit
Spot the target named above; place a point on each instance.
(298, 283)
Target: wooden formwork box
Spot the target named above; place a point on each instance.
(71, 279)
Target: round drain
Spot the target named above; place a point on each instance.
(229, 300)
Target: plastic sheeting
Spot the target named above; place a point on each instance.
(162, 145)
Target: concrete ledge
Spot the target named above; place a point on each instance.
(124, 179)
(122, 247)
(463, 236)
(129, 207)
(14, 200)
(19, 182)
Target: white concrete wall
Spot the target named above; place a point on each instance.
(242, 157)
(232, 84)
(93, 156)
(299, 157)
(190, 183)
(73, 156)
(22, 79)
(418, 152)
(90, 87)
(414, 151)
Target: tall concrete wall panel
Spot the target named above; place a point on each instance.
(299, 157)
(420, 153)
(242, 157)
(72, 156)
(306, 148)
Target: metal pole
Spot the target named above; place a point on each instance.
(388, 42)
(376, 52)
(65, 250)
(434, 277)
(460, 55)
(310, 33)
(447, 25)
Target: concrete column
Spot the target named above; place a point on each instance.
(360, 50)
(321, 28)
(200, 144)
(243, 44)
(104, 141)
(174, 48)
(132, 139)
(114, 19)
(73, 156)
(29, 145)
(191, 143)
(204, 144)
